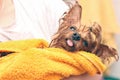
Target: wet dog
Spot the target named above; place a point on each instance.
(73, 36)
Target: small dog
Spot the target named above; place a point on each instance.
(72, 36)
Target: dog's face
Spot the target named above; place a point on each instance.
(73, 39)
(72, 36)
(70, 39)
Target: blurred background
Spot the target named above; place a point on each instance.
(115, 68)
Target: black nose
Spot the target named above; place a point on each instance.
(76, 36)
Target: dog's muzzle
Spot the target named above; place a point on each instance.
(76, 36)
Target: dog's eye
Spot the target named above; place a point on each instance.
(72, 28)
(85, 43)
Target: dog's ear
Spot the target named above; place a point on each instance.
(96, 29)
(106, 53)
(72, 17)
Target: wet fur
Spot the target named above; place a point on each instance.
(90, 34)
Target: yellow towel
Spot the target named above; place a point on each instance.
(32, 60)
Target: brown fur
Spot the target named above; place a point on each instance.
(72, 36)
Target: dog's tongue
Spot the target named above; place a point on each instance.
(70, 43)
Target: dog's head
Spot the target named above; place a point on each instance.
(73, 36)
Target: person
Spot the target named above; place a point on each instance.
(21, 19)
(26, 19)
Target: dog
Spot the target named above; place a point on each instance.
(73, 36)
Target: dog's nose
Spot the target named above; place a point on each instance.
(76, 36)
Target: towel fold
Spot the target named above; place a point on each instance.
(33, 60)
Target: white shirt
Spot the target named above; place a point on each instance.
(35, 19)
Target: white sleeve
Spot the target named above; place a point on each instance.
(39, 17)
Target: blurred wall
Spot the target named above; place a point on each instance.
(115, 68)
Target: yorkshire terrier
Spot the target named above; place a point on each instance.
(72, 36)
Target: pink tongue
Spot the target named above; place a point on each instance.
(69, 42)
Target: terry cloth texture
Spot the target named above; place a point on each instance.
(32, 60)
